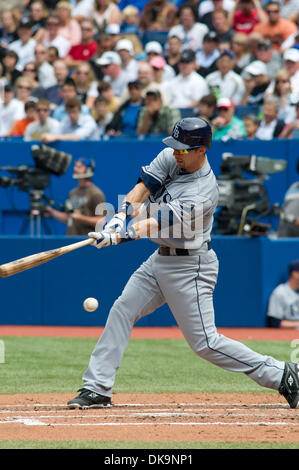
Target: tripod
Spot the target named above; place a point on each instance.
(34, 217)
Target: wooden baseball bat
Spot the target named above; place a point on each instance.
(19, 265)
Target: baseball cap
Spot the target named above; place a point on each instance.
(109, 57)
(153, 91)
(225, 103)
(292, 55)
(158, 62)
(112, 28)
(257, 67)
(25, 23)
(136, 83)
(294, 266)
(8, 88)
(228, 53)
(153, 46)
(125, 44)
(211, 36)
(264, 44)
(187, 56)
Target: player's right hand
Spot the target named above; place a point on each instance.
(116, 224)
(102, 239)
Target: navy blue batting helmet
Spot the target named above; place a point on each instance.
(190, 133)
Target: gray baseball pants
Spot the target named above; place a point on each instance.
(186, 283)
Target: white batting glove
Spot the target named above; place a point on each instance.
(103, 239)
(116, 224)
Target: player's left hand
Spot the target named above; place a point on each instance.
(103, 239)
(116, 224)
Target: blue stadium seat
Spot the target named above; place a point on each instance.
(242, 111)
(160, 36)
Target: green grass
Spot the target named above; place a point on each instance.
(56, 365)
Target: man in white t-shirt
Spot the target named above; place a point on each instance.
(53, 38)
(188, 87)
(44, 123)
(24, 46)
(283, 309)
(11, 110)
(110, 63)
(224, 82)
(189, 30)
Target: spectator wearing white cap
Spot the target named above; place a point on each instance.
(224, 82)
(110, 63)
(153, 49)
(188, 87)
(270, 126)
(189, 28)
(256, 83)
(226, 125)
(129, 64)
(291, 64)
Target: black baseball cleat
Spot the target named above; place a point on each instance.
(289, 386)
(88, 399)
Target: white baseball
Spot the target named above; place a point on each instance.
(90, 304)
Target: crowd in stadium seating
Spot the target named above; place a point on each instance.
(92, 69)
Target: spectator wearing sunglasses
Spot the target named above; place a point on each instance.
(226, 125)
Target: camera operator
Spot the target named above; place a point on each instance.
(289, 216)
(79, 213)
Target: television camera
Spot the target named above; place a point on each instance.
(34, 180)
(243, 198)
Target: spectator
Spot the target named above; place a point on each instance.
(9, 61)
(207, 107)
(82, 9)
(221, 25)
(106, 91)
(191, 31)
(251, 124)
(173, 53)
(224, 82)
(207, 56)
(45, 71)
(101, 115)
(19, 126)
(113, 73)
(53, 54)
(53, 93)
(289, 214)
(69, 27)
(226, 125)
(158, 15)
(271, 58)
(161, 70)
(289, 9)
(24, 46)
(113, 30)
(187, 88)
(283, 308)
(254, 39)
(43, 124)
(270, 127)
(8, 28)
(153, 49)
(291, 64)
(291, 41)
(291, 130)
(10, 111)
(37, 15)
(23, 89)
(30, 71)
(126, 117)
(276, 29)
(82, 202)
(68, 91)
(239, 48)
(86, 84)
(130, 20)
(245, 15)
(75, 126)
(283, 91)
(105, 12)
(137, 3)
(86, 49)
(53, 38)
(209, 6)
(129, 64)
(256, 83)
(155, 117)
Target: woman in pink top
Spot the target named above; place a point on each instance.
(70, 27)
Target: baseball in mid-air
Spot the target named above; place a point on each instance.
(90, 304)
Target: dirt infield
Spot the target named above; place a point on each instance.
(143, 417)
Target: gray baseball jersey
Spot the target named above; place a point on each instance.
(184, 280)
(284, 303)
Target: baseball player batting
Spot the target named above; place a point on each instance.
(180, 185)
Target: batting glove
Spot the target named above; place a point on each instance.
(119, 222)
(103, 239)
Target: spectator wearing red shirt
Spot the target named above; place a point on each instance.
(245, 15)
(87, 48)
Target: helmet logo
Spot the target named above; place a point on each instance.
(176, 131)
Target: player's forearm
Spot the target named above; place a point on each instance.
(289, 324)
(136, 197)
(142, 229)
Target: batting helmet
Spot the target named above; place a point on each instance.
(190, 133)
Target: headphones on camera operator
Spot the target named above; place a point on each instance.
(90, 167)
